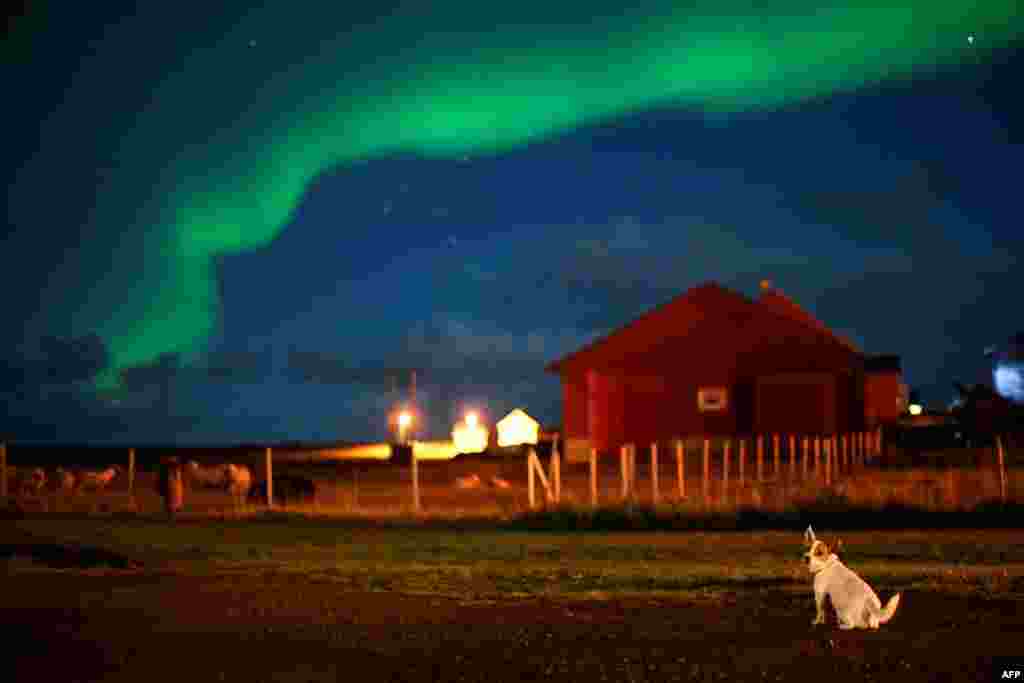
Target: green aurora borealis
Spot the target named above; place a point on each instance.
(221, 154)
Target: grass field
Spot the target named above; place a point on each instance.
(291, 598)
(482, 562)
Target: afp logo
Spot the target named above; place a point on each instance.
(1008, 669)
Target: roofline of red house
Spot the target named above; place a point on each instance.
(557, 365)
(554, 366)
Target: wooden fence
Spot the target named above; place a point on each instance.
(815, 459)
(760, 471)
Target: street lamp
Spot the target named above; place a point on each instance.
(469, 436)
(404, 420)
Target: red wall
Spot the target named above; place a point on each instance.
(574, 407)
(643, 408)
(882, 391)
(795, 402)
(619, 405)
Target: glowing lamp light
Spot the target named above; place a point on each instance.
(517, 428)
(915, 409)
(404, 422)
(1009, 381)
(469, 437)
(471, 419)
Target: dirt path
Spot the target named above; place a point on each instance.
(128, 626)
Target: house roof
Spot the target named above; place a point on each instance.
(683, 313)
(778, 302)
(517, 413)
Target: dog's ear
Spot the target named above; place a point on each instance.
(809, 536)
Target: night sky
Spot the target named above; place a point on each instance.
(232, 225)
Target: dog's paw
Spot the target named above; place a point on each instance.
(844, 626)
(817, 621)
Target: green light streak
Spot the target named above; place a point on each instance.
(449, 95)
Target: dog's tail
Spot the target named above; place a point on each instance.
(886, 613)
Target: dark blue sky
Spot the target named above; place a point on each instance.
(890, 210)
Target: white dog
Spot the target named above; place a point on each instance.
(856, 605)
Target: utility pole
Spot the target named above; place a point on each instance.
(412, 394)
(393, 401)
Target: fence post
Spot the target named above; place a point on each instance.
(879, 443)
(951, 491)
(415, 480)
(633, 472)
(530, 487)
(792, 457)
(776, 462)
(760, 458)
(827, 446)
(681, 468)
(817, 456)
(834, 452)
(706, 485)
(624, 468)
(3, 471)
(556, 474)
(725, 472)
(654, 473)
(1002, 468)
(355, 486)
(131, 476)
(804, 460)
(593, 477)
(270, 479)
(743, 460)
(536, 468)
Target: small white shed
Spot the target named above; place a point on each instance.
(517, 428)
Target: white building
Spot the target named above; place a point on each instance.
(517, 428)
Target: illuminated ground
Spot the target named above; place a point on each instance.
(240, 602)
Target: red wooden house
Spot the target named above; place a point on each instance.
(713, 361)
